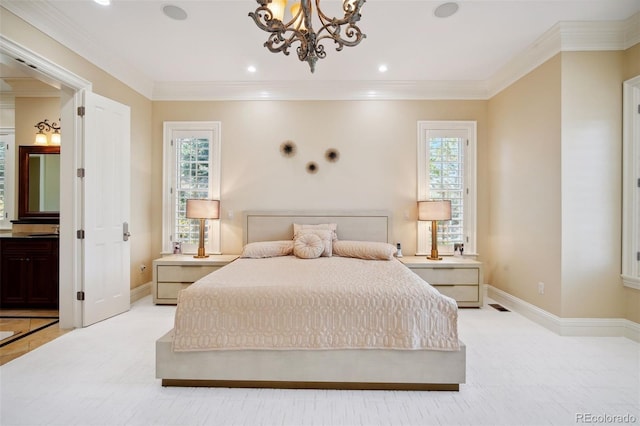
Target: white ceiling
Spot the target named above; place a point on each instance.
(206, 56)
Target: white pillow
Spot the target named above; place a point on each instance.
(333, 227)
(369, 250)
(308, 246)
(325, 235)
(262, 249)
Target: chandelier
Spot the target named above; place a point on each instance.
(269, 16)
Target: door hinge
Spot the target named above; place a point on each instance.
(80, 234)
(80, 295)
(80, 172)
(81, 111)
(638, 182)
(638, 256)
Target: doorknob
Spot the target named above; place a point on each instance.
(125, 231)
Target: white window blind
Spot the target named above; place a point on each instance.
(192, 170)
(446, 171)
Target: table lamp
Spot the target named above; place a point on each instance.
(434, 210)
(202, 209)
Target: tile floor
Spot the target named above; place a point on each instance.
(29, 320)
(518, 373)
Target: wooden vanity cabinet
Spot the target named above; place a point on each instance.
(29, 272)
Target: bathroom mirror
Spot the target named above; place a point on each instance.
(39, 182)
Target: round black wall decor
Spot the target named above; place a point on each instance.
(312, 167)
(332, 155)
(288, 148)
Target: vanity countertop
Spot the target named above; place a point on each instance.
(29, 235)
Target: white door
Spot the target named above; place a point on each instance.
(106, 206)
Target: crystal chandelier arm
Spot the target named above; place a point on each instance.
(281, 36)
(331, 27)
(299, 28)
(351, 10)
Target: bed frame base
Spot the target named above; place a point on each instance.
(366, 369)
(311, 385)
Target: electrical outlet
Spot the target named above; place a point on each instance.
(540, 287)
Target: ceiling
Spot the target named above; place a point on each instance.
(206, 55)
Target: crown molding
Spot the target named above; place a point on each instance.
(34, 63)
(631, 29)
(319, 90)
(47, 18)
(565, 37)
(562, 37)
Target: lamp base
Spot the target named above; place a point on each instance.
(201, 253)
(434, 255)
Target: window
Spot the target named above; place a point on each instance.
(631, 185)
(6, 178)
(447, 171)
(191, 170)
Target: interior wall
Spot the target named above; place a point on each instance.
(524, 181)
(591, 184)
(7, 115)
(106, 85)
(28, 112)
(377, 141)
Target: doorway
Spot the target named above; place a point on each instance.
(73, 90)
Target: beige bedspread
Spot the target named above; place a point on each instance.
(325, 303)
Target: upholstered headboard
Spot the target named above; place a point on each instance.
(367, 225)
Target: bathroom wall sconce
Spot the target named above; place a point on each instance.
(45, 127)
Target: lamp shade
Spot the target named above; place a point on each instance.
(434, 210)
(55, 138)
(203, 209)
(277, 8)
(41, 139)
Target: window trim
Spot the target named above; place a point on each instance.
(630, 191)
(10, 179)
(213, 244)
(423, 246)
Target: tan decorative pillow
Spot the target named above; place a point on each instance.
(369, 250)
(325, 235)
(262, 249)
(308, 246)
(333, 227)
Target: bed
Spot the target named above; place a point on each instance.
(277, 346)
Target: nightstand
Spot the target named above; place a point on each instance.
(177, 271)
(457, 277)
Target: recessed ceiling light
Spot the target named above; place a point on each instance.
(251, 69)
(103, 2)
(175, 12)
(446, 9)
(383, 68)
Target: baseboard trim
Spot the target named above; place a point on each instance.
(140, 292)
(601, 327)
